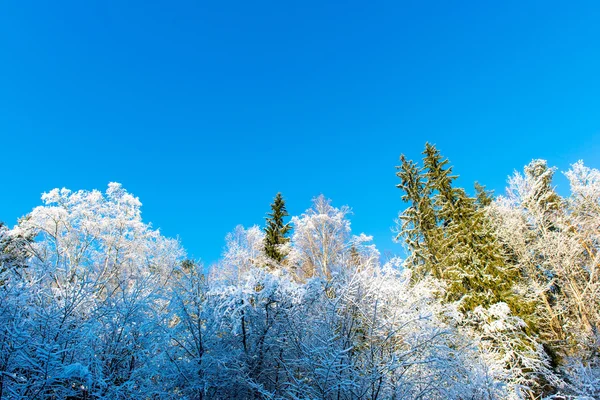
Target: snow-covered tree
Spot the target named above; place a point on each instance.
(244, 248)
(322, 240)
(95, 280)
(513, 357)
(555, 242)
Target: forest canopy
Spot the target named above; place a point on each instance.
(497, 298)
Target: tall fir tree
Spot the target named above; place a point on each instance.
(448, 232)
(277, 230)
(418, 223)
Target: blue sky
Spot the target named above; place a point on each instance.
(205, 110)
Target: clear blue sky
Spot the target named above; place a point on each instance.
(205, 110)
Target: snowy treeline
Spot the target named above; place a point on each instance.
(96, 304)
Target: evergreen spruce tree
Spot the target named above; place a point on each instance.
(462, 250)
(276, 231)
(452, 230)
(418, 223)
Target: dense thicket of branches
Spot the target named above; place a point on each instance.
(497, 298)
